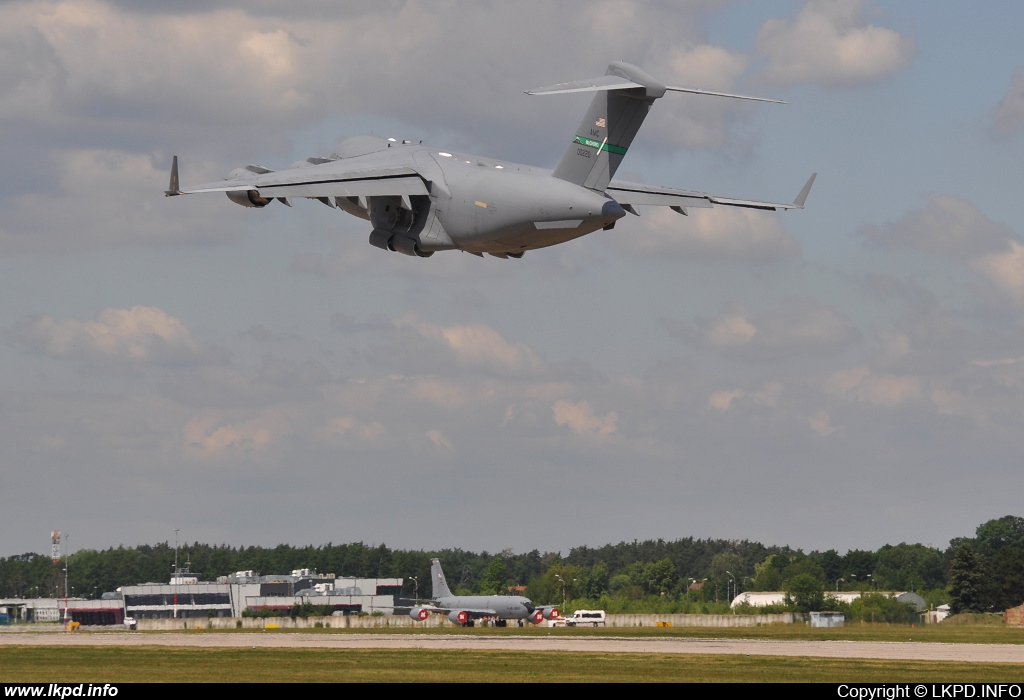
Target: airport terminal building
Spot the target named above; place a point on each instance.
(230, 596)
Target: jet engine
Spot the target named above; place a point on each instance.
(388, 214)
(537, 617)
(397, 227)
(551, 613)
(248, 198)
(419, 614)
(459, 617)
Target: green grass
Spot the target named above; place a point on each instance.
(974, 634)
(161, 664)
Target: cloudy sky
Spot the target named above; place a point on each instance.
(845, 376)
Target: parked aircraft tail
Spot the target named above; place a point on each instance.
(439, 586)
(624, 97)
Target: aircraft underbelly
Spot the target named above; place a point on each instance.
(510, 212)
(543, 237)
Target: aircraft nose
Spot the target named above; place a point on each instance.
(612, 210)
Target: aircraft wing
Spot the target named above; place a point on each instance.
(629, 194)
(472, 612)
(332, 179)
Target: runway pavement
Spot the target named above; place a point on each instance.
(922, 651)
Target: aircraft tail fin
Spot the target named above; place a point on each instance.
(439, 586)
(624, 97)
(172, 187)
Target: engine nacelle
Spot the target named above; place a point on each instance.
(408, 246)
(248, 198)
(419, 614)
(385, 240)
(459, 617)
(537, 617)
(381, 239)
(398, 223)
(551, 613)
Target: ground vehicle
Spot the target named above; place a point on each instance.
(586, 618)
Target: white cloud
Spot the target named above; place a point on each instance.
(343, 428)
(802, 326)
(1008, 116)
(110, 197)
(272, 65)
(702, 122)
(730, 330)
(723, 400)
(1005, 270)
(828, 43)
(957, 229)
(579, 417)
(821, 424)
(213, 434)
(141, 335)
(473, 346)
(925, 341)
(480, 344)
(719, 233)
(862, 384)
(440, 440)
(949, 226)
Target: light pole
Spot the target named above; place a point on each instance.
(415, 588)
(174, 582)
(67, 552)
(563, 588)
(734, 594)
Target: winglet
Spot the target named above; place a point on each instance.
(802, 197)
(173, 188)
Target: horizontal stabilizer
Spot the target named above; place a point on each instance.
(695, 91)
(605, 82)
(615, 82)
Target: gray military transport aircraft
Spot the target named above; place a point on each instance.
(420, 200)
(463, 610)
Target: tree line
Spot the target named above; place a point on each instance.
(978, 574)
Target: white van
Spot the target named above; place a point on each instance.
(585, 618)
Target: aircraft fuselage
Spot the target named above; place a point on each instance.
(497, 207)
(458, 202)
(506, 607)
